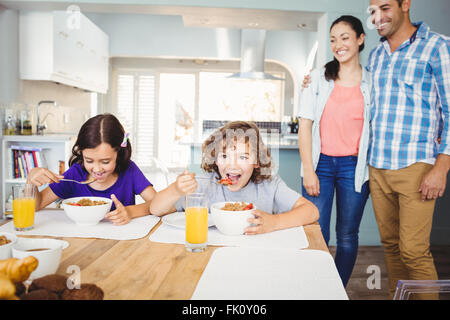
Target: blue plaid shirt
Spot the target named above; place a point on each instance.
(410, 100)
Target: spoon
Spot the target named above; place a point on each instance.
(224, 181)
(79, 182)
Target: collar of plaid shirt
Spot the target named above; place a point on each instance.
(422, 30)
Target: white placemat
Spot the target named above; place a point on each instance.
(292, 238)
(56, 223)
(269, 274)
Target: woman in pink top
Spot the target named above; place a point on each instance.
(333, 140)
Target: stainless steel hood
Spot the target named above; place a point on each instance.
(253, 46)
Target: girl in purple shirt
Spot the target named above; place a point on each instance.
(102, 152)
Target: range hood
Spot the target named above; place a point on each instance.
(253, 46)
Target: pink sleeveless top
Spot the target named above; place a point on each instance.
(342, 121)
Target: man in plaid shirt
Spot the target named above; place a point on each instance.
(409, 152)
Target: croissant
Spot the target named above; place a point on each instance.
(18, 270)
(7, 288)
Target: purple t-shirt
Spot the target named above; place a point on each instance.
(130, 183)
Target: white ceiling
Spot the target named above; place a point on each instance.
(195, 16)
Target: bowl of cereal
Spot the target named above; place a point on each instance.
(7, 240)
(86, 211)
(231, 217)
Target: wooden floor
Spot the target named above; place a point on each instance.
(373, 255)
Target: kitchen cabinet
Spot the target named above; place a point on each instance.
(53, 49)
(54, 148)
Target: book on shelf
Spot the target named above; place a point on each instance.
(21, 170)
(23, 159)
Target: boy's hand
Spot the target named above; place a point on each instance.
(264, 223)
(119, 216)
(186, 183)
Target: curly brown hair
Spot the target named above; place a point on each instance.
(229, 134)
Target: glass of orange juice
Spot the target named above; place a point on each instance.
(196, 211)
(23, 206)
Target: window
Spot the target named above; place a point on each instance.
(136, 112)
(176, 117)
(222, 98)
(185, 100)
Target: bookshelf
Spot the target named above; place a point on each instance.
(52, 148)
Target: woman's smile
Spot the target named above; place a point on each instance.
(341, 52)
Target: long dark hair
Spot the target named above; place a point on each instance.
(332, 67)
(103, 128)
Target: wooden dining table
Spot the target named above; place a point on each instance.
(143, 270)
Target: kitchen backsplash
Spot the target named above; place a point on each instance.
(72, 110)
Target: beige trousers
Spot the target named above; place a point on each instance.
(404, 223)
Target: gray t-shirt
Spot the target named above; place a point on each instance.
(271, 196)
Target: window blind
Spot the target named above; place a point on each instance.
(136, 112)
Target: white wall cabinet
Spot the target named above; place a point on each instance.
(55, 148)
(53, 49)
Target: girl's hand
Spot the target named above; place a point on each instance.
(119, 216)
(311, 183)
(264, 222)
(42, 176)
(186, 183)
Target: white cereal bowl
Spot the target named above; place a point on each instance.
(48, 259)
(6, 249)
(231, 223)
(86, 215)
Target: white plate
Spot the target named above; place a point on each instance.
(177, 220)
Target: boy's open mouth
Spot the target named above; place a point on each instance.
(233, 177)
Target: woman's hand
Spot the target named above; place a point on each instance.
(186, 183)
(306, 81)
(119, 216)
(264, 222)
(311, 183)
(41, 176)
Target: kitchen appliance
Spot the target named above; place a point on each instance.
(253, 46)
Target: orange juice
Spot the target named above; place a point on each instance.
(23, 212)
(196, 224)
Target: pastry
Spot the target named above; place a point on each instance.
(18, 270)
(54, 282)
(20, 288)
(12, 271)
(4, 240)
(40, 294)
(87, 291)
(7, 288)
